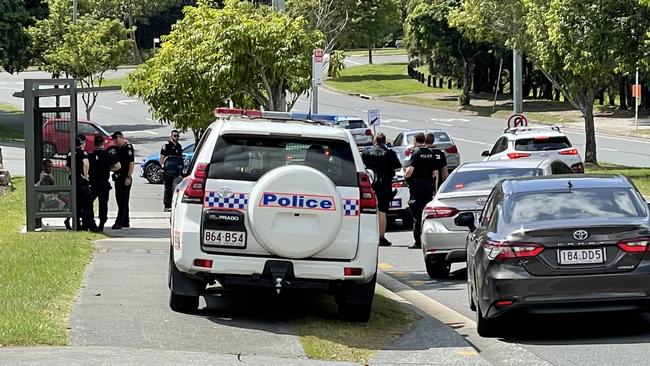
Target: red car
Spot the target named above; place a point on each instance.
(56, 136)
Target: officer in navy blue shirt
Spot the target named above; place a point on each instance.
(102, 163)
(85, 216)
(171, 158)
(421, 173)
(123, 179)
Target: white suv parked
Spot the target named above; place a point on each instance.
(278, 205)
(535, 142)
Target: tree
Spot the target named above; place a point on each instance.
(373, 21)
(330, 17)
(131, 11)
(250, 54)
(14, 41)
(448, 52)
(578, 45)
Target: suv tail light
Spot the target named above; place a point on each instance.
(368, 199)
(452, 150)
(517, 155)
(195, 189)
(499, 250)
(569, 152)
(439, 212)
(399, 183)
(368, 132)
(634, 245)
(578, 168)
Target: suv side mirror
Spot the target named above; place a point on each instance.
(389, 144)
(466, 219)
(485, 153)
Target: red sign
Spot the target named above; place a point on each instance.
(636, 90)
(318, 55)
(517, 120)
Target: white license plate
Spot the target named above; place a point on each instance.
(233, 239)
(396, 203)
(581, 256)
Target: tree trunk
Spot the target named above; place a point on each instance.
(611, 96)
(465, 98)
(370, 54)
(137, 58)
(585, 103)
(622, 99)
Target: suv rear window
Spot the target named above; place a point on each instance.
(248, 158)
(585, 203)
(352, 124)
(483, 180)
(542, 143)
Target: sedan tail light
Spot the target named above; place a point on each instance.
(439, 212)
(518, 155)
(634, 245)
(452, 150)
(499, 250)
(368, 132)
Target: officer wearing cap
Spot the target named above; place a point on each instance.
(383, 162)
(102, 163)
(171, 158)
(421, 174)
(85, 216)
(123, 179)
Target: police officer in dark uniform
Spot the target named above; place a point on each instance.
(443, 173)
(171, 158)
(85, 216)
(123, 180)
(383, 162)
(421, 173)
(102, 162)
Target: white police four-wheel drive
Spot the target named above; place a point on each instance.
(275, 203)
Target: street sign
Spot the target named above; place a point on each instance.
(636, 90)
(317, 67)
(517, 120)
(373, 117)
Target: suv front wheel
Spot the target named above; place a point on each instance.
(354, 301)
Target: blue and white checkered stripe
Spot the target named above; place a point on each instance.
(238, 201)
(350, 207)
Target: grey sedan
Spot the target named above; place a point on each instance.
(466, 190)
(403, 145)
(565, 244)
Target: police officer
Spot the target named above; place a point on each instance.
(383, 162)
(171, 158)
(85, 216)
(421, 173)
(123, 180)
(443, 173)
(102, 162)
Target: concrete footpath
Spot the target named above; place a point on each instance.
(122, 317)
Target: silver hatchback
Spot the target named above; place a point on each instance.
(466, 190)
(403, 145)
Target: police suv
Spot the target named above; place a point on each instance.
(278, 203)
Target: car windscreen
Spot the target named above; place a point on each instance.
(352, 124)
(584, 203)
(441, 137)
(485, 179)
(542, 143)
(248, 158)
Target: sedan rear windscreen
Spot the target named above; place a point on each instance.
(440, 137)
(248, 158)
(591, 203)
(542, 143)
(352, 124)
(483, 180)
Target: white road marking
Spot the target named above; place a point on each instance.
(105, 107)
(606, 149)
(295, 110)
(139, 132)
(12, 89)
(302, 101)
(151, 119)
(606, 136)
(126, 101)
(450, 120)
(353, 62)
(472, 141)
(391, 120)
(395, 128)
(442, 124)
(325, 90)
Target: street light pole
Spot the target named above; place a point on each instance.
(278, 5)
(74, 10)
(636, 100)
(517, 81)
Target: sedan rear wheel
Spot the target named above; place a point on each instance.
(485, 327)
(154, 173)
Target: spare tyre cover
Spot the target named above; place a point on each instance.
(295, 211)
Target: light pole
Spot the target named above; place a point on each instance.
(517, 81)
(155, 41)
(278, 5)
(74, 10)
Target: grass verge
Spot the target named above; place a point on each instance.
(333, 339)
(40, 274)
(10, 116)
(121, 82)
(640, 176)
(378, 80)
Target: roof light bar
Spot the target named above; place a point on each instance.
(284, 116)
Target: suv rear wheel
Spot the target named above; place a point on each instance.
(177, 281)
(437, 269)
(354, 301)
(183, 304)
